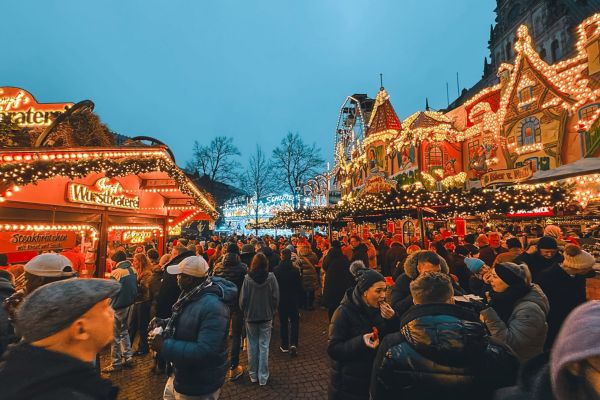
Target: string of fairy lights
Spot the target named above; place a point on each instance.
(405, 201)
(15, 174)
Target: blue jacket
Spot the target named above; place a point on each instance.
(198, 350)
(125, 275)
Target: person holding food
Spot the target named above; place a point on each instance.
(359, 323)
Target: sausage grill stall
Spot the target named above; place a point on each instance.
(61, 195)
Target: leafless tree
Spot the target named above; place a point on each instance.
(217, 161)
(258, 179)
(294, 162)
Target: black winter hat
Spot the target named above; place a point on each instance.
(548, 243)
(365, 277)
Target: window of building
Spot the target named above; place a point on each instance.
(531, 132)
(408, 231)
(526, 94)
(543, 53)
(508, 51)
(588, 111)
(472, 149)
(435, 157)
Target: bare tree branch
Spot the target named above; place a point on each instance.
(258, 179)
(294, 162)
(217, 160)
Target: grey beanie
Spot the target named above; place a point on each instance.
(53, 307)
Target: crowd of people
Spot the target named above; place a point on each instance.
(459, 319)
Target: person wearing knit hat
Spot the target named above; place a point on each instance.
(577, 261)
(572, 369)
(357, 326)
(565, 286)
(474, 264)
(541, 257)
(482, 240)
(517, 310)
(61, 338)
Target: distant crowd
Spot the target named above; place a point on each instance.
(485, 317)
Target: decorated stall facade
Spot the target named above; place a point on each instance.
(92, 198)
(539, 118)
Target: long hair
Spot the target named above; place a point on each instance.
(141, 263)
(259, 263)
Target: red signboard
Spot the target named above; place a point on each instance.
(24, 110)
(11, 242)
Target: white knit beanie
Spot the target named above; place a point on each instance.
(577, 260)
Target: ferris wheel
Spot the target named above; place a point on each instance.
(352, 122)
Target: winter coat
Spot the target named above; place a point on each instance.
(401, 299)
(352, 360)
(361, 252)
(382, 250)
(442, 351)
(459, 269)
(290, 284)
(526, 330)
(7, 332)
(394, 259)
(533, 382)
(259, 297)
(310, 280)
(271, 257)
(169, 291)
(488, 253)
(234, 271)
(537, 263)
(338, 278)
(198, 349)
(33, 373)
(125, 275)
(564, 293)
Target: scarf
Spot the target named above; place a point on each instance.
(184, 299)
(504, 303)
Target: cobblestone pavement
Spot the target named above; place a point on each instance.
(302, 377)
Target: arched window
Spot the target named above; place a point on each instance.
(531, 132)
(555, 50)
(435, 157)
(408, 231)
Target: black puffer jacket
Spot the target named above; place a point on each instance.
(34, 373)
(441, 351)
(290, 284)
(352, 360)
(272, 257)
(537, 263)
(232, 269)
(169, 291)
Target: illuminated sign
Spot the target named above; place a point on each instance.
(506, 176)
(105, 192)
(137, 236)
(536, 212)
(27, 241)
(22, 108)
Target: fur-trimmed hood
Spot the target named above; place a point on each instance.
(410, 265)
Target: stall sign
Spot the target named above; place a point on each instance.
(22, 108)
(506, 176)
(536, 212)
(135, 237)
(11, 242)
(105, 192)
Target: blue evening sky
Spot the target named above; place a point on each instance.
(190, 70)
